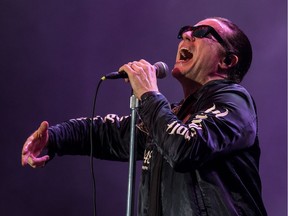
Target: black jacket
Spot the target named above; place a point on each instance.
(200, 157)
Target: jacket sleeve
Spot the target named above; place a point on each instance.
(111, 138)
(225, 122)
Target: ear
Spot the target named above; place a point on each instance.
(228, 61)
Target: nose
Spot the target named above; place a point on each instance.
(188, 36)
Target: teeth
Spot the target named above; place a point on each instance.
(184, 48)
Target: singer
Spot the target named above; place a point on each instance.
(201, 155)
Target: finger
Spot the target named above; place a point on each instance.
(137, 67)
(143, 64)
(31, 143)
(25, 146)
(125, 67)
(144, 61)
(24, 159)
(26, 156)
(26, 150)
(148, 67)
(30, 161)
(128, 70)
(37, 162)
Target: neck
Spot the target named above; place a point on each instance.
(189, 86)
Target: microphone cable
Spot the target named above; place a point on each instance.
(161, 71)
(91, 150)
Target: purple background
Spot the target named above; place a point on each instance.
(53, 54)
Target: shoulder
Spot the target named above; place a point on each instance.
(223, 87)
(226, 94)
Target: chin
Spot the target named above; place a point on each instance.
(176, 72)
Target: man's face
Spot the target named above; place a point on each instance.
(198, 58)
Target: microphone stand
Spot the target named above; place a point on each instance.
(134, 103)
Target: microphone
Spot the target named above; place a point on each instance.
(160, 67)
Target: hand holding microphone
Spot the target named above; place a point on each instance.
(142, 75)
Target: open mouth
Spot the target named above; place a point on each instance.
(185, 54)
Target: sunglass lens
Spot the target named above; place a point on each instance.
(201, 32)
(183, 30)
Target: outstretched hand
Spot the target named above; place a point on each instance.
(34, 146)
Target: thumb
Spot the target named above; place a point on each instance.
(43, 127)
(42, 130)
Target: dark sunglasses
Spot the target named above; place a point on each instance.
(202, 31)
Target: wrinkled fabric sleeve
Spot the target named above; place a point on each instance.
(111, 137)
(222, 124)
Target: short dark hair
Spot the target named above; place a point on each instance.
(239, 46)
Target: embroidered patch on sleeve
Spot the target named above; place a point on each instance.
(189, 131)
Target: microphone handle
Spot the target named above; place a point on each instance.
(115, 75)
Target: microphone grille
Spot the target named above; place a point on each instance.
(161, 69)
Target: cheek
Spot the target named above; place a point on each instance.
(208, 56)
